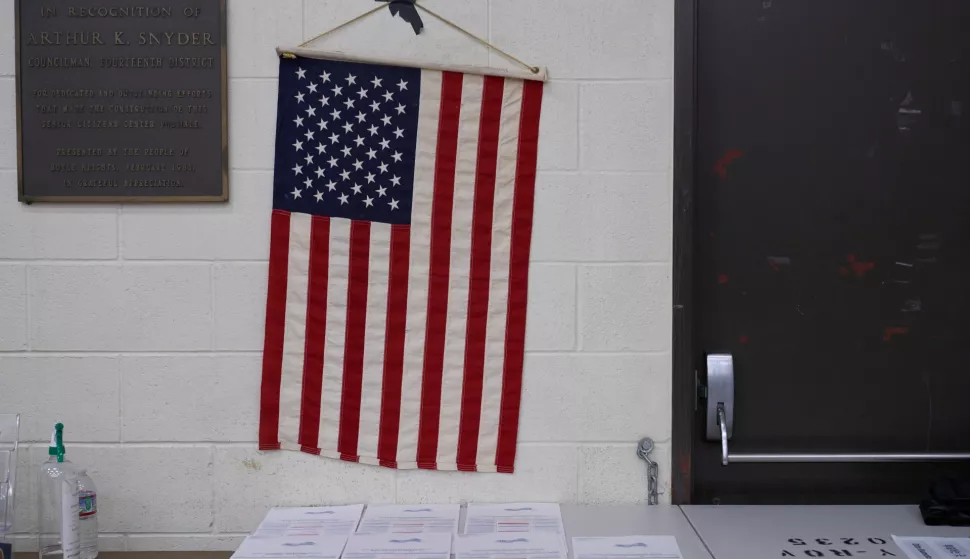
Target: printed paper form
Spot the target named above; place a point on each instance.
(933, 548)
(310, 522)
(541, 545)
(399, 546)
(321, 547)
(627, 547)
(514, 518)
(409, 519)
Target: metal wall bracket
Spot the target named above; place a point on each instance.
(653, 471)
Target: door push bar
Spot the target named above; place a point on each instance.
(720, 427)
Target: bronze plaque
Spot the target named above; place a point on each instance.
(122, 101)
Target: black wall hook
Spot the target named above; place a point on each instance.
(407, 11)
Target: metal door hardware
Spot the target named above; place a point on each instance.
(720, 427)
(720, 393)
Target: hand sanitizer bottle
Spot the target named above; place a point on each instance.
(88, 503)
(58, 522)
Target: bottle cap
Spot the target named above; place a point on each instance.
(56, 447)
(52, 449)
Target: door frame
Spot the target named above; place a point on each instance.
(684, 367)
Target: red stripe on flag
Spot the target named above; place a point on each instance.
(522, 208)
(397, 311)
(316, 330)
(279, 256)
(357, 278)
(439, 272)
(480, 273)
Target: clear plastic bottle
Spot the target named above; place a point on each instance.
(88, 506)
(58, 515)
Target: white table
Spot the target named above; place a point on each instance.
(770, 532)
(633, 520)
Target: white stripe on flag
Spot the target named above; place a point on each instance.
(417, 313)
(294, 336)
(466, 164)
(333, 349)
(498, 294)
(376, 327)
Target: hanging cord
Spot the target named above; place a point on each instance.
(344, 24)
(533, 69)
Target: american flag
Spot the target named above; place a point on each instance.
(399, 261)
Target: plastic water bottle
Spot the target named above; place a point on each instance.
(88, 505)
(58, 514)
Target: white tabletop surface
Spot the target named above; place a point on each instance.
(763, 532)
(633, 520)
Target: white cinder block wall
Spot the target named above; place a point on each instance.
(140, 327)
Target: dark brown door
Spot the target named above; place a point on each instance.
(831, 241)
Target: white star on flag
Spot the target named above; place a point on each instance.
(351, 80)
(377, 82)
(403, 85)
(298, 145)
(296, 193)
(301, 73)
(297, 170)
(325, 77)
(343, 199)
(299, 98)
(369, 202)
(394, 204)
(318, 196)
(312, 87)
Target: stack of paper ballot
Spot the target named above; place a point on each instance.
(509, 531)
